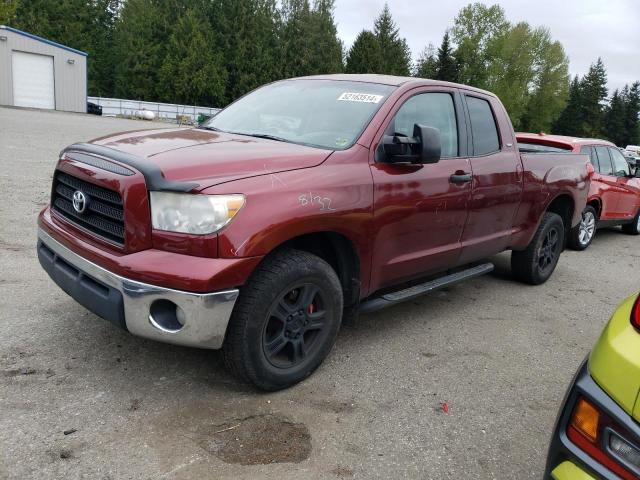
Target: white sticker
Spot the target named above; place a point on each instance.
(360, 97)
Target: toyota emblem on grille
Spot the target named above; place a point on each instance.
(79, 201)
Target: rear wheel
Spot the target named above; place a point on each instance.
(537, 262)
(632, 228)
(285, 321)
(582, 234)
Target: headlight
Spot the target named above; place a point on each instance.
(195, 214)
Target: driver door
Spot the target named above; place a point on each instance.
(420, 210)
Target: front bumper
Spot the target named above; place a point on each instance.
(566, 461)
(149, 311)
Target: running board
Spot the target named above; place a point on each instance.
(393, 298)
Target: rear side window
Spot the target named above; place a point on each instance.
(483, 127)
(620, 166)
(604, 160)
(586, 150)
(432, 109)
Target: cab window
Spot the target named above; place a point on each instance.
(483, 127)
(604, 160)
(620, 166)
(433, 109)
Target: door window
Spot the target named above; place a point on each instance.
(620, 166)
(483, 127)
(433, 109)
(604, 160)
(587, 150)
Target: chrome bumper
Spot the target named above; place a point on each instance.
(203, 318)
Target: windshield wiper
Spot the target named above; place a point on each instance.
(264, 135)
(207, 127)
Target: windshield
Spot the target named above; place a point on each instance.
(321, 113)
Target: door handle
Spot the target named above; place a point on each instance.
(460, 177)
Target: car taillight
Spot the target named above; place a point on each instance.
(635, 314)
(603, 440)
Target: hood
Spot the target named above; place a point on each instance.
(209, 158)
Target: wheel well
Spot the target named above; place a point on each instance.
(597, 206)
(563, 206)
(339, 252)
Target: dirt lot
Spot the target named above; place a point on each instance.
(498, 352)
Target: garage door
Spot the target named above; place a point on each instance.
(33, 84)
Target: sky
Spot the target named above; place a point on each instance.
(587, 29)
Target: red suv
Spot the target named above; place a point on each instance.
(614, 196)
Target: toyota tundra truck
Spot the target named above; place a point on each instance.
(298, 206)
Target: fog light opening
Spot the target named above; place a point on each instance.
(166, 316)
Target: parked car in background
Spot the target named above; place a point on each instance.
(614, 196)
(635, 149)
(632, 159)
(303, 201)
(597, 432)
(94, 108)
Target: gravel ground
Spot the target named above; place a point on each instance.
(499, 353)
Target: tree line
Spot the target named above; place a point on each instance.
(210, 52)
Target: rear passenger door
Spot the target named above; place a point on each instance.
(608, 184)
(496, 188)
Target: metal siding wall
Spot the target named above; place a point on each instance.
(70, 80)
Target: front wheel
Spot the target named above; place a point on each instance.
(537, 262)
(633, 228)
(582, 234)
(285, 321)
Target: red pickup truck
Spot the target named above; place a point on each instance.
(302, 203)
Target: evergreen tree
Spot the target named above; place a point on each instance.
(192, 72)
(447, 65)
(364, 55)
(138, 46)
(594, 94)
(309, 38)
(571, 120)
(327, 47)
(631, 120)
(394, 51)
(251, 46)
(615, 118)
(427, 64)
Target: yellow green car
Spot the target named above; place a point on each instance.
(597, 432)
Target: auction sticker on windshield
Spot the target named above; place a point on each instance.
(360, 97)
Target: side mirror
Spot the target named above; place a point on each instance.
(430, 141)
(424, 147)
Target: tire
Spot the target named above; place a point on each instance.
(536, 263)
(632, 228)
(581, 236)
(285, 321)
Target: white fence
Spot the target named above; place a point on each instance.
(163, 111)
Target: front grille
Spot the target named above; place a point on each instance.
(104, 213)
